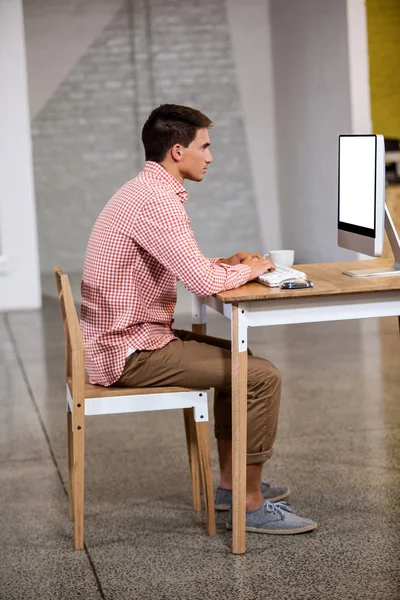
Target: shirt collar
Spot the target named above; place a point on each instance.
(156, 171)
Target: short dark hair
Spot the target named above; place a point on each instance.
(171, 124)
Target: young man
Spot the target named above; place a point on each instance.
(140, 245)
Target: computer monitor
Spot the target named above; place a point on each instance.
(361, 193)
(362, 215)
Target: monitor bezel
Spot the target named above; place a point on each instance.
(350, 227)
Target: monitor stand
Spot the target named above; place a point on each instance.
(395, 246)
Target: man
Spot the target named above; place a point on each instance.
(141, 244)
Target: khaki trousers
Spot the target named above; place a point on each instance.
(202, 361)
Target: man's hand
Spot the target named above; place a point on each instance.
(259, 266)
(239, 257)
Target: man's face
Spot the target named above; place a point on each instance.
(196, 157)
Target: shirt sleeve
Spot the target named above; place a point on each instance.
(163, 229)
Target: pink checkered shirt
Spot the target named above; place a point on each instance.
(140, 245)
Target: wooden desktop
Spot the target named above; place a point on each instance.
(335, 296)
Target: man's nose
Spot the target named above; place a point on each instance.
(209, 159)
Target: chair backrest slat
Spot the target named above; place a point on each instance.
(72, 330)
(68, 350)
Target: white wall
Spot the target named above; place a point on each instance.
(19, 267)
(250, 32)
(86, 137)
(357, 45)
(314, 104)
(50, 29)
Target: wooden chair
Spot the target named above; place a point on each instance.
(84, 399)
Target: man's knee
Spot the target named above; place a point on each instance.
(275, 375)
(264, 374)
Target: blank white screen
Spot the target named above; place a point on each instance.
(357, 181)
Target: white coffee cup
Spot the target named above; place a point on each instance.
(281, 257)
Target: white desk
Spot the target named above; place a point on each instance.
(334, 297)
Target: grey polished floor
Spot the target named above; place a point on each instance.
(338, 448)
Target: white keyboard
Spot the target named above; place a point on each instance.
(275, 278)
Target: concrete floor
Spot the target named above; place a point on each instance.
(338, 448)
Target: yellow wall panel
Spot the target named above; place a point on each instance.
(383, 18)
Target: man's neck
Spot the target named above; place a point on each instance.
(173, 170)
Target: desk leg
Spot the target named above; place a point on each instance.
(199, 315)
(239, 430)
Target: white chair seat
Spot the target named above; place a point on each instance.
(84, 399)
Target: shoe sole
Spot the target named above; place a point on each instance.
(276, 499)
(279, 531)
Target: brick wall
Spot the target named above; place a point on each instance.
(86, 140)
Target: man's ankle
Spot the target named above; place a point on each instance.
(225, 485)
(254, 502)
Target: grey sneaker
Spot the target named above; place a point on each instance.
(223, 498)
(276, 518)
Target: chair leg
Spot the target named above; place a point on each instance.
(193, 455)
(78, 483)
(70, 466)
(203, 443)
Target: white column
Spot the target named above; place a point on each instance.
(249, 27)
(314, 103)
(357, 43)
(19, 260)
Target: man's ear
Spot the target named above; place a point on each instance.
(176, 152)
